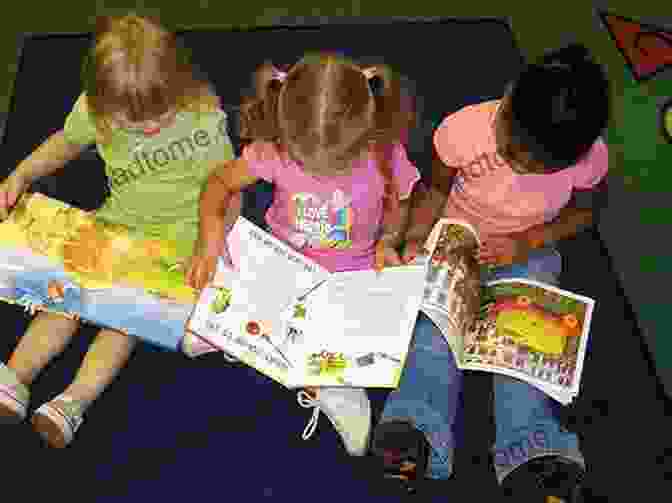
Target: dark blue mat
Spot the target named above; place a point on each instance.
(173, 429)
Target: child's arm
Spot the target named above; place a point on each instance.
(576, 216)
(393, 237)
(217, 214)
(52, 155)
(426, 207)
(588, 199)
(442, 176)
(215, 209)
(427, 203)
(571, 220)
(48, 158)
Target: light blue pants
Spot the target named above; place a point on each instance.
(428, 393)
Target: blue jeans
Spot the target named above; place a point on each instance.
(428, 392)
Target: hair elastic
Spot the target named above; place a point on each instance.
(278, 75)
(281, 76)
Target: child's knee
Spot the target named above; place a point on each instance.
(53, 321)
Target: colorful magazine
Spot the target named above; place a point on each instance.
(292, 320)
(517, 327)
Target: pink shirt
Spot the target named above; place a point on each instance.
(334, 221)
(488, 193)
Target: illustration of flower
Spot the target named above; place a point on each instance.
(253, 328)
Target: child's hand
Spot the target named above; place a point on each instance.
(413, 249)
(503, 250)
(203, 265)
(11, 190)
(386, 256)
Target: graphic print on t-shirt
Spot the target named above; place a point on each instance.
(152, 154)
(321, 224)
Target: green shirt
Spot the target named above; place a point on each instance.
(155, 181)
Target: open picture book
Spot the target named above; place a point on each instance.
(517, 327)
(283, 314)
(294, 321)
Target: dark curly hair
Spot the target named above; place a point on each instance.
(559, 107)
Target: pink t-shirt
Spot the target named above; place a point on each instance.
(488, 193)
(333, 221)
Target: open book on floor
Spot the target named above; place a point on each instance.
(517, 327)
(295, 322)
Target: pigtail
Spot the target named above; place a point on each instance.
(259, 112)
(391, 121)
(391, 118)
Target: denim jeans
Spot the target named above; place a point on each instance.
(428, 392)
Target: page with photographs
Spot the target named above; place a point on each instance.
(531, 331)
(355, 329)
(451, 296)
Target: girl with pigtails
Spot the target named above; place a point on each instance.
(327, 134)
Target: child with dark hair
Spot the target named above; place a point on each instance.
(327, 133)
(525, 171)
(553, 113)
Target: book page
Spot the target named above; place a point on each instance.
(232, 332)
(451, 296)
(451, 233)
(359, 325)
(268, 274)
(531, 331)
(241, 313)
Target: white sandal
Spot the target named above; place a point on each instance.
(57, 421)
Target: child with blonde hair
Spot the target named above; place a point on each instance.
(160, 131)
(327, 133)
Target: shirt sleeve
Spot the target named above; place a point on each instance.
(263, 160)
(591, 170)
(405, 172)
(80, 128)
